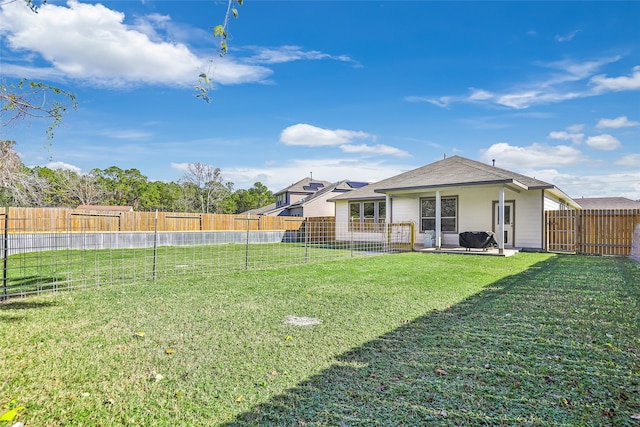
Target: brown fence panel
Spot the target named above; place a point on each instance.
(561, 230)
(591, 231)
(607, 231)
(37, 220)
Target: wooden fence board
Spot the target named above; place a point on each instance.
(591, 231)
(36, 220)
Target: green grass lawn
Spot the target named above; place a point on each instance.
(405, 340)
(66, 269)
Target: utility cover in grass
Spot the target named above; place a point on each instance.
(302, 321)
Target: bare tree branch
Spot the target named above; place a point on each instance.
(29, 99)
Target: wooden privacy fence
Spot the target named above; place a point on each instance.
(36, 220)
(591, 231)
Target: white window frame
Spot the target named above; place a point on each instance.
(443, 216)
(367, 222)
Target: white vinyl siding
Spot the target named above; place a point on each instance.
(475, 212)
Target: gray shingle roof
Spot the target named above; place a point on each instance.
(449, 172)
(607, 203)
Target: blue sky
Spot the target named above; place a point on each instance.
(359, 90)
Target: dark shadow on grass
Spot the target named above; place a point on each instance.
(25, 305)
(17, 286)
(556, 345)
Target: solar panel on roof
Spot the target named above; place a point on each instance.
(354, 184)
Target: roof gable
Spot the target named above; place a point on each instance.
(456, 171)
(453, 171)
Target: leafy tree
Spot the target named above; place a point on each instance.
(53, 194)
(122, 187)
(255, 197)
(163, 196)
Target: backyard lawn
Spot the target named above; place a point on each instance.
(406, 339)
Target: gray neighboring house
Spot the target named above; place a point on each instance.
(607, 203)
(451, 196)
(307, 198)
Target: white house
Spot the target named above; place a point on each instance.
(452, 196)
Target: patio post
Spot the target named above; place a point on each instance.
(501, 221)
(438, 221)
(387, 218)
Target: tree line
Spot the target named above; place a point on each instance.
(201, 188)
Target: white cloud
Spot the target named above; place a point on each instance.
(313, 136)
(327, 169)
(566, 80)
(378, 149)
(126, 134)
(526, 99)
(480, 95)
(182, 167)
(618, 122)
(291, 53)
(603, 142)
(63, 166)
(567, 37)
(533, 156)
(575, 138)
(577, 186)
(442, 102)
(92, 43)
(630, 160)
(603, 83)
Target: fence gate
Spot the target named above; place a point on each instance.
(591, 231)
(561, 230)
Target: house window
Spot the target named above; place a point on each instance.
(367, 216)
(281, 199)
(448, 214)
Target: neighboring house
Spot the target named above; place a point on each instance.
(452, 196)
(607, 203)
(317, 205)
(307, 198)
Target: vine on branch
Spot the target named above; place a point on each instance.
(221, 32)
(29, 99)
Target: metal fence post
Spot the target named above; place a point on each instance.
(351, 225)
(306, 240)
(246, 247)
(5, 254)
(155, 245)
